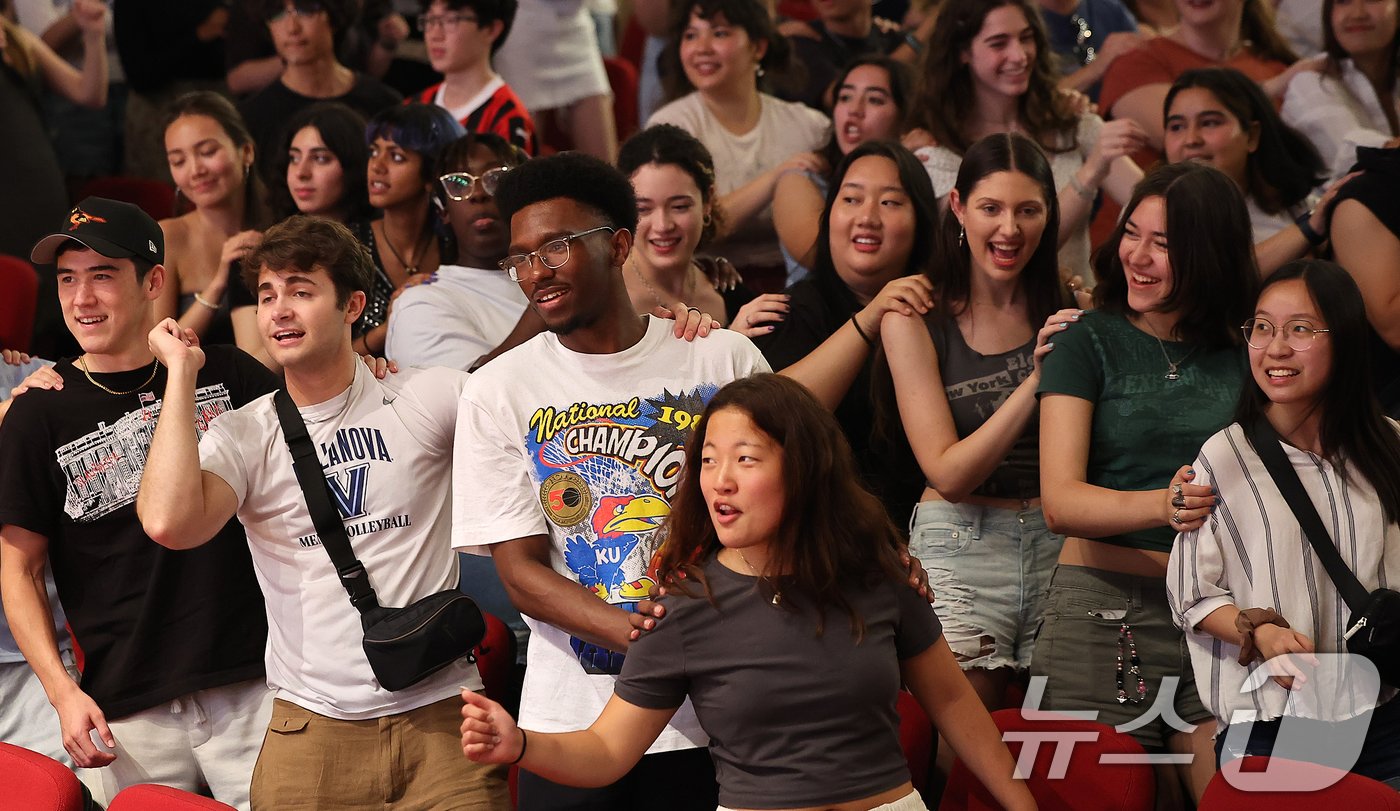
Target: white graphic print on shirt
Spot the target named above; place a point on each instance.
(103, 468)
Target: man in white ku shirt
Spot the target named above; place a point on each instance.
(568, 451)
(337, 738)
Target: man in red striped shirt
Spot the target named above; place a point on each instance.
(461, 36)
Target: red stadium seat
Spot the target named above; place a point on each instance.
(34, 782)
(622, 76)
(916, 738)
(19, 295)
(1346, 790)
(151, 797)
(1085, 784)
(495, 659)
(152, 196)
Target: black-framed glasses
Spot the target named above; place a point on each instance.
(553, 254)
(448, 21)
(299, 8)
(459, 185)
(1299, 335)
(1083, 51)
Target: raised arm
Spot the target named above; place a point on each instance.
(180, 505)
(1075, 507)
(748, 200)
(23, 557)
(955, 467)
(797, 213)
(594, 757)
(87, 87)
(829, 370)
(536, 589)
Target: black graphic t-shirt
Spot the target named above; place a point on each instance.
(153, 623)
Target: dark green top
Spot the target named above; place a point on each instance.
(1145, 426)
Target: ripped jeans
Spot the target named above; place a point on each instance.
(989, 568)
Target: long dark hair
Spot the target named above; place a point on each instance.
(901, 79)
(342, 131)
(669, 145)
(1353, 429)
(947, 94)
(1336, 53)
(834, 534)
(921, 196)
(426, 129)
(749, 15)
(1259, 27)
(1285, 167)
(214, 106)
(1210, 247)
(951, 272)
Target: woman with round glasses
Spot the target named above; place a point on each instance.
(468, 308)
(1252, 588)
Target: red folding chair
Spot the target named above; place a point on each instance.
(19, 295)
(1260, 783)
(151, 797)
(35, 782)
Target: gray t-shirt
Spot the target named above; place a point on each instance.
(976, 386)
(794, 719)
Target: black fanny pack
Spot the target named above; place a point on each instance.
(404, 645)
(1373, 629)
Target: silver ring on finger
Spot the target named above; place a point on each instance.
(1176, 489)
(1176, 517)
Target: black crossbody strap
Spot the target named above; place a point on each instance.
(324, 515)
(1266, 443)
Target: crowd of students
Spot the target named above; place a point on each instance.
(1030, 318)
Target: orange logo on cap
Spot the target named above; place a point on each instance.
(78, 217)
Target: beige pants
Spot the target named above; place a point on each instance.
(412, 760)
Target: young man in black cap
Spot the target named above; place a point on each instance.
(174, 686)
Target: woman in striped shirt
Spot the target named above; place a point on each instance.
(1246, 586)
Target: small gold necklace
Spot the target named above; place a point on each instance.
(777, 595)
(688, 288)
(1173, 366)
(83, 365)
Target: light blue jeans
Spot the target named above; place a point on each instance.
(989, 568)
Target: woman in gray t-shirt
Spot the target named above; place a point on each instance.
(790, 625)
(965, 378)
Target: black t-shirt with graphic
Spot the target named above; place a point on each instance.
(154, 623)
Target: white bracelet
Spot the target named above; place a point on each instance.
(206, 302)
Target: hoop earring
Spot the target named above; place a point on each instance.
(707, 221)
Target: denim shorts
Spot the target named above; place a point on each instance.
(988, 568)
(1078, 649)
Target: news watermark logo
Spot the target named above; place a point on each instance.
(1321, 703)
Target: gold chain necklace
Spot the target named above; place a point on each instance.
(83, 365)
(688, 288)
(777, 595)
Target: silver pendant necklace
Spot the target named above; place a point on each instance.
(1173, 366)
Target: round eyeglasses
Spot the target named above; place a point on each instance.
(1299, 335)
(553, 254)
(302, 9)
(459, 185)
(449, 22)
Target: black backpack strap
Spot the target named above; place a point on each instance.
(1266, 443)
(329, 525)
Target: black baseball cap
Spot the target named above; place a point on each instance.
(112, 228)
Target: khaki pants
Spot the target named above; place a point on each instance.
(412, 760)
